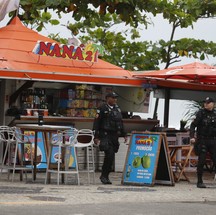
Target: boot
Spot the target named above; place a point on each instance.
(108, 181)
(105, 179)
(200, 183)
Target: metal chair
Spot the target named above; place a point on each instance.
(2, 128)
(85, 140)
(18, 153)
(7, 136)
(65, 155)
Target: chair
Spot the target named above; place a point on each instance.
(179, 166)
(85, 140)
(7, 136)
(65, 155)
(2, 128)
(18, 154)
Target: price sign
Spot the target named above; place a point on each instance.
(142, 164)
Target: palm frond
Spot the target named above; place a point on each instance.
(192, 109)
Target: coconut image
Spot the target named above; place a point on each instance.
(136, 162)
(146, 161)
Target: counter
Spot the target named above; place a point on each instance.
(81, 122)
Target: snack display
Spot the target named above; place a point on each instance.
(82, 101)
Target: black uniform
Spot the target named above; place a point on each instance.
(205, 122)
(108, 125)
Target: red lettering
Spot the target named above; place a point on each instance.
(55, 51)
(64, 51)
(44, 48)
(67, 51)
(142, 137)
(96, 56)
(147, 141)
(78, 54)
(89, 56)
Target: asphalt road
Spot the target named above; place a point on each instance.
(164, 208)
(36, 198)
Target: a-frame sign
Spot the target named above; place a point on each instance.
(148, 160)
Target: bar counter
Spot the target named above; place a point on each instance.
(81, 122)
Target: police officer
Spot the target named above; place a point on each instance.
(108, 126)
(205, 126)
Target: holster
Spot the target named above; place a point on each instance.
(104, 144)
(196, 148)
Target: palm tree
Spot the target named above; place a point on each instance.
(192, 107)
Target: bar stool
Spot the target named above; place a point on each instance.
(2, 128)
(85, 140)
(7, 135)
(65, 155)
(18, 154)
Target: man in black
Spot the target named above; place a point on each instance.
(108, 127)
(205, 125)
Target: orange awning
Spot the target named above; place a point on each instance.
(196, 72)
(178, 84)
(193, 76)
(17, 61)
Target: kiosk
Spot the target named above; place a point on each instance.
(65, 88)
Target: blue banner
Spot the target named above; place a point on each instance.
(41, 152)
(41, 158)
(141, 158)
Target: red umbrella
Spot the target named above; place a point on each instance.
(193, 72)
(193, 76)
(178, 84)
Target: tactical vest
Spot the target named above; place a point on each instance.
(113, 119)
(207, 127)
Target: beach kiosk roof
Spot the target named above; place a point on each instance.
(18, 60)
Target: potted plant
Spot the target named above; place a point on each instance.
(183, 124)
(192, 109)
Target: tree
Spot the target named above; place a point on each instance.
(129, 11)
(93, 20)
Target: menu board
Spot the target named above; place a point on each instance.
(142, 166)
(69, 154)
(41, 158)
(41, 152)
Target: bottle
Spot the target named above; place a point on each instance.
(128, 171)
(40, 120)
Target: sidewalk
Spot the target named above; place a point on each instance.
(38, 193)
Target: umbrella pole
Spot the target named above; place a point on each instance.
(156, 108)
(166, 107)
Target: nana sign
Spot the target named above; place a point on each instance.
(88, 52)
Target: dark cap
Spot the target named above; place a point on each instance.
(112, 94)
(209, 100)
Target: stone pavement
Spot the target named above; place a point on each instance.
(37, 193)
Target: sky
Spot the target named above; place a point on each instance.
(203, 29)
